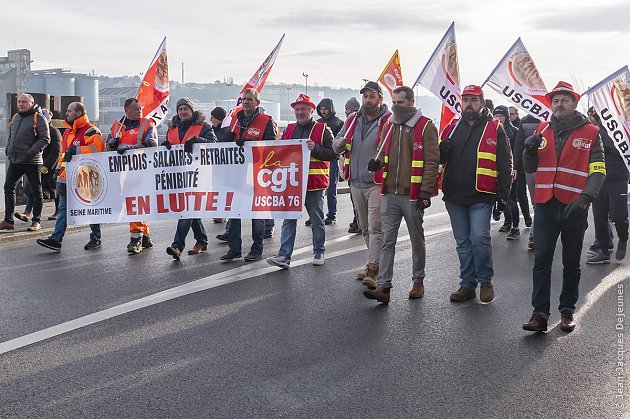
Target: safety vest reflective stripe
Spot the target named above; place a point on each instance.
(318, 170)
(486, 172)
(124, 135)
(573, 172)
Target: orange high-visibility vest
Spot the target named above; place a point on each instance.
(133, 136)
(173, 133)
(417, 157)
(318, 170)
(486, 171)
(351, 125)
(84, 136)
(565, 178)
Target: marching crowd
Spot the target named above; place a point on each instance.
(393, 160)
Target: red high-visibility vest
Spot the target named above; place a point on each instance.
(254, 131)
(351, 125)
(318, 170)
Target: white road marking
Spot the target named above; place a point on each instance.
(212, 281)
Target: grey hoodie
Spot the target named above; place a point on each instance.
(364, 147)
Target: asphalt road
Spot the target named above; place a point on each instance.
(148, 337)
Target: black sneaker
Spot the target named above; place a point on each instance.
(514, 234)
(330, 220)
(600, 257)
(269, 234)
(135, 246)
(354, 229)
(528, 222)
(92, 244)
(146, 242)
(307, 223)
(530, 243)
(252, 257)
(230, 255)
(222, 237)
(50, 243)
(621, 250)
(505, 227)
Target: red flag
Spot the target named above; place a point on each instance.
(153, 93)
(391, 77)
(257, 81)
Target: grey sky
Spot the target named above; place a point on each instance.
(337, 43)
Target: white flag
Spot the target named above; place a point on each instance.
(611, 100)
(517, 79)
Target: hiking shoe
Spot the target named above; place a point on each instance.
(354, 229)
(536, 324)
(230, 255)
(566, 320)
(318, 259)
(92, 244)
(174, 251)
(35, 226)
(598, 258)
(463, 294)
(621, 250)
(50, 243)
(21, 217)
(486, 292)
(379, 294)
(307, 223)
(222, 237)
(280, 261)
(146, 242)
(135, 246)
(370, 278)
(362, 274)
(417, 291)
(252, 257)
(514, 234)
(330, 220)
(505, 227)
(528, 222)
(5, 225)
(198, 248)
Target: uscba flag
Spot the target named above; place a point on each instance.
(153, 93)
(611, 100)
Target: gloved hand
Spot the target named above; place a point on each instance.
(113, 144)
(121, 149)
(578, 205)
(167, 144)
(240, 142)
(445, 150)
(375, 165)
(501, 204)
(422, 204)
(229, 136)
(71, 151)
(188, 145)
(43, 170)
(532, 143)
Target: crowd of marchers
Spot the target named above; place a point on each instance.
(486, 163)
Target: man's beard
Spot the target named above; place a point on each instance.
(471, 115)
(370, 109)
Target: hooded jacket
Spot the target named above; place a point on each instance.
(528, 126)
(334, 123)
(198, 118)
(459, 176)
(24, 146)
(510, 129)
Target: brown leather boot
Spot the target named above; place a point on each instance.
(379, 294)
(463, 294)
(566, 321)
(536, 324)
(198, 248)
(486, 291)
(362, 274)
(372, 274)
(417, 291)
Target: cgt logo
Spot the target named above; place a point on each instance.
(277, 175)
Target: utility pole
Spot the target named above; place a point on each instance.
(182, 72)
(305, 82)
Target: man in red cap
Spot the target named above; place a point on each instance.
(477, 163)
(320, 143)
(567, 156)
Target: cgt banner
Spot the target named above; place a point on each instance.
(263, 179)
(611, 100)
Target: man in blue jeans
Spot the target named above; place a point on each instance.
(477, 171)
(320, 143)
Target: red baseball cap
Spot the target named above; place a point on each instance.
(563, 87)
(473, 90)
(302, 98)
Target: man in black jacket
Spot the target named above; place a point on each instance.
(28, 136)
(472, 181)
(326, 110)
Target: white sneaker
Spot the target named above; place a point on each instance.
(280, 261)
(318, 259)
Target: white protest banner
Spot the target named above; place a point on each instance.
(517, 79)
(262, 180)
(611, 100)
(441, 77)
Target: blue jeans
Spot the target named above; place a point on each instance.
(314, 204)
(549, 223)
(183, 227)
(471, 229)
(331, 192)
(62, 220)
(234, 236)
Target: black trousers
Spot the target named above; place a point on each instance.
(611, 203)
(14, 173)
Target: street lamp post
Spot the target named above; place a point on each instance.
(305, 82)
